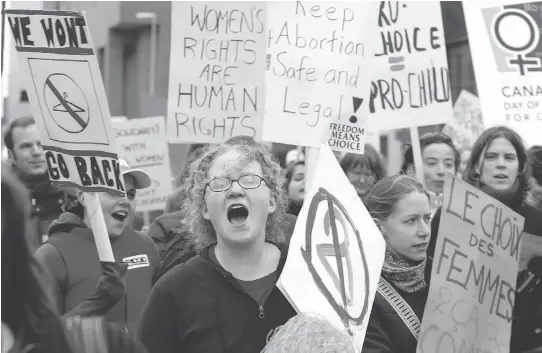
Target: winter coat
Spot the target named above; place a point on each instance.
(386, 331)
(198, 307)
(71, 258)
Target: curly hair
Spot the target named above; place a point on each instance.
(194, 204)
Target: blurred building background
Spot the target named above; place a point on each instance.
(121, 31)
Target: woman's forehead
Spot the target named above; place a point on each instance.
(501, 144)
(233, 162)
(414, 202)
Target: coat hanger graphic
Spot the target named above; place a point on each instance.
(60, 107)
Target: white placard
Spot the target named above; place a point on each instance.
(216, 72)
(143, 144)
(473, 278)
(506, 45)
(410, 86)
(332, 229)
(318, 65)
(68, 99)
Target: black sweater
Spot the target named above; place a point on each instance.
(199, 307)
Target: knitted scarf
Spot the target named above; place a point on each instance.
(408, 277)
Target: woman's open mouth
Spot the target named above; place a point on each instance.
(237, 214)
(119, 215)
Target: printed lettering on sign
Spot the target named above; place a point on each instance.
(506, 47)
(137, 261)
(67, 96)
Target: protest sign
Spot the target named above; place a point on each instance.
(217, 71)
(506, 46)
(467, 124)
(410, 86)
(143, 144)
(68, 99)
(473, 279)
(318, 65)
(336, 252)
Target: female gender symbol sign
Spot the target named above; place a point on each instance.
(516, 32)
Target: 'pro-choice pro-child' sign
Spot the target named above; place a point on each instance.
(68, 99)
(217, 71)
(506, 45)
(473, 279)
(410, 86)
(335, 254)
(318, 65)
(143, 144)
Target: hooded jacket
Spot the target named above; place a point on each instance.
(198, 307)
(71, 258)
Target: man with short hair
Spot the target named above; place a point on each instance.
(71, 258)
(27, 159)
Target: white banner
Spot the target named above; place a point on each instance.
(318, 65)
(506, 45)
(143, 144)
(217, 71)
(68, 98)
(410, 86)
(336, 252)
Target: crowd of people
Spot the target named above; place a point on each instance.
(203, 278)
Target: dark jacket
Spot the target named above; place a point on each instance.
(159, 231)
(46, 201)
(386, 331)
(199, 307)
(71, 258)
(180, 249)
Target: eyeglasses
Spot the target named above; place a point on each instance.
(246, 182)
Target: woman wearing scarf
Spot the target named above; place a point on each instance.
(400, 207)
(499, 167)
(225, 299)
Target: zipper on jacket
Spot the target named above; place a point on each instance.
(262, 314)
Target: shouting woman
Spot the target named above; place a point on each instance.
(400, 207)
(225, 299)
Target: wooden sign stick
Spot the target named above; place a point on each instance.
(99, 229)
(417, 153)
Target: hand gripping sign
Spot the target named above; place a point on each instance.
(333, 267)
